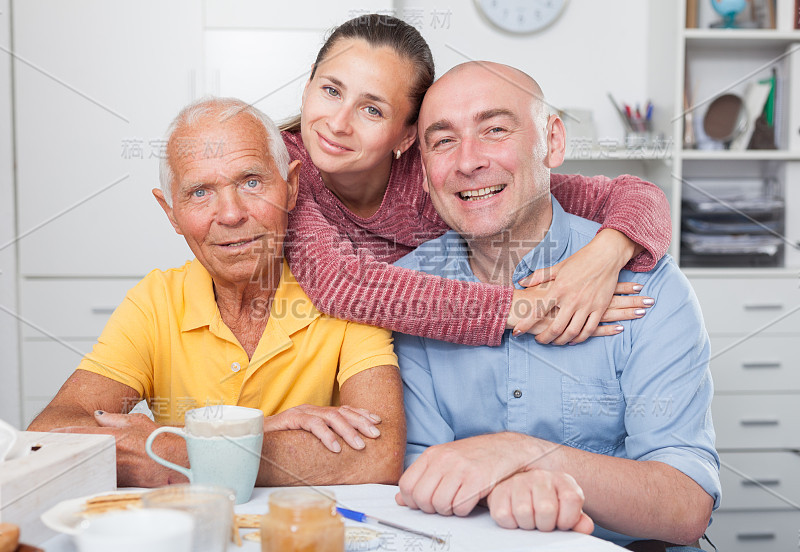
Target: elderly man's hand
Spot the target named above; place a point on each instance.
(134, 467)
(539, 499)
(328, 422)
(452, 477)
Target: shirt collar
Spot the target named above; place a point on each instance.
(291, 309)
(551, 249)
(198, 297)
(546, 253)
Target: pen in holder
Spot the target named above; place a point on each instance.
(638, 126)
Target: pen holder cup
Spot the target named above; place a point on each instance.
(638, 139)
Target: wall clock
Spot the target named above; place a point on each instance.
(520, 16)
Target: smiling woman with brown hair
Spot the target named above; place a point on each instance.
(361, 206)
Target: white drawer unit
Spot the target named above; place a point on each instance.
(70, 307)
(46, 365)
(745, 305)
(759, 363)
(760, 480)
(755, 531)
(754, 325)
(757, 421)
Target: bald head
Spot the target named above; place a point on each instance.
(488, 144)
(464, 79)
(495, 71)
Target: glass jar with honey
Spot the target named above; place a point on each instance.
(302, 520)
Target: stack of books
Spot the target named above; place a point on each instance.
(732, 224)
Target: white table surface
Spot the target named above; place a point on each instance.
(476, 532)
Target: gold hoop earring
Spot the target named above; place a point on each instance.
(397, 154)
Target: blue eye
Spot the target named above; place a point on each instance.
(252, 183)
(199, 193)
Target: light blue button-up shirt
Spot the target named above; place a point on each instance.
(644, 394)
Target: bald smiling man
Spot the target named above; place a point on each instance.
(615, 431)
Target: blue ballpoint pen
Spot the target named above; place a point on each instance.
(365, 518)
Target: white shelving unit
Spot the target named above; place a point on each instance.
(752, 314)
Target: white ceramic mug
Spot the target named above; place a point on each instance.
(224, 445)
(155, 530)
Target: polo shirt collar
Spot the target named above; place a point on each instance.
(198, 298)
(292, 310)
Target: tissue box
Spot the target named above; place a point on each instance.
(58, 466)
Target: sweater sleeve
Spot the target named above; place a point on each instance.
(636, 208)
(353, 284)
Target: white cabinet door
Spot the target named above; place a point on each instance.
(749, 305)
(96, 84)
(70, 309)
(757, 421)
(759, 480)
(755, 531)
(755, 363)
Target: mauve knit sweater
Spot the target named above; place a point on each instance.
(343, 261)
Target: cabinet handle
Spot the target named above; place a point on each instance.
(758, 365)
(750, 423)
(755, 536)
(763, 306)
(761, 483)
(102, 310)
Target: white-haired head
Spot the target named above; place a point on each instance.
(221, 110)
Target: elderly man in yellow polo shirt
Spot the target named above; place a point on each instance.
(234, 327)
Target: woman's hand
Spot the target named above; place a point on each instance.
(328, 423)
(566, 302)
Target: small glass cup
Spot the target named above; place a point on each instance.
(210, 506)
(153, 530)
(638, 140)
(300, 520)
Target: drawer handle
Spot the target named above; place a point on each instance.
(761, 423)
(755, 536)
(763, 306)
(102, 310)
(761, 483)
(759, 365)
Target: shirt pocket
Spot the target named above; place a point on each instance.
(594, 414)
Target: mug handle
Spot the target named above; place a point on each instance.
(149, 448)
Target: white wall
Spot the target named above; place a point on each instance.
(593, 48)
(9, 358)
(262, 54)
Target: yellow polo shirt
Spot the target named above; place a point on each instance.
(167, 341)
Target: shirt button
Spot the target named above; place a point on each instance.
(235, 367)
(517, 393)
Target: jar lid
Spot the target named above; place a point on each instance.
(301, 498)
